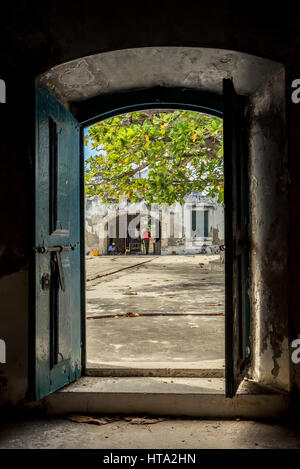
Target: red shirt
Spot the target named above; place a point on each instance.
(146, 235)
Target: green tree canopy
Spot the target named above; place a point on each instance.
(181, 150)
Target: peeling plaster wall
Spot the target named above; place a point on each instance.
(269, 234)
(190, 67)
(216, 225)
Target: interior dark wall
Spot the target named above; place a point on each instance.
(53, 32)
(293, 136)
(36, 36)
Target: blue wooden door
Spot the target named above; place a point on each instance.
(57, 246)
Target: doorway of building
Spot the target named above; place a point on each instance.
(154, 233)
(60, 228)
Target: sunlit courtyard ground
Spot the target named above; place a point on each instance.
(155, 312)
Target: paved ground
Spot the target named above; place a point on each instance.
(157, 342)
(165, 285)
(179, 308)
(171, 433)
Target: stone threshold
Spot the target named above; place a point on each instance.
(155, 372)
(193, 397)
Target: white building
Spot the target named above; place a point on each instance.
(197, 226)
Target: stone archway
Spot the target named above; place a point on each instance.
(189, 67)
(264, 82)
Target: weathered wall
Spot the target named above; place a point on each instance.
(293, 125)
(145, 67)
(216, 225)
(269, 234)
(94, 226)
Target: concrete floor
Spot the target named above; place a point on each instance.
(180, 306)
(174, 433)
(166, 333)
(184, 341)
(166, 284)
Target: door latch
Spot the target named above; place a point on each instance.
(60, 270)
(46, 280)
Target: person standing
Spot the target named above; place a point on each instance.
(146, 239)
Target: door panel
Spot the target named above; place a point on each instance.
(237, 309)
(57, 246)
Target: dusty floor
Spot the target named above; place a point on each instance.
(166, 284)
(179, 308)
(184, 341)
(171, 433)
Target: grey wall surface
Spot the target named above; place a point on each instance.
(191, 67)
(269, 234)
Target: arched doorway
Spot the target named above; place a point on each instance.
(198, 91)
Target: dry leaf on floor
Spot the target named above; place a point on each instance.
(89, 419)
(169, 296)
(220, 314)
(195, 326)
(216, 304)
(147, 284)
(129, 293)
(131, 315)
(143, 420)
